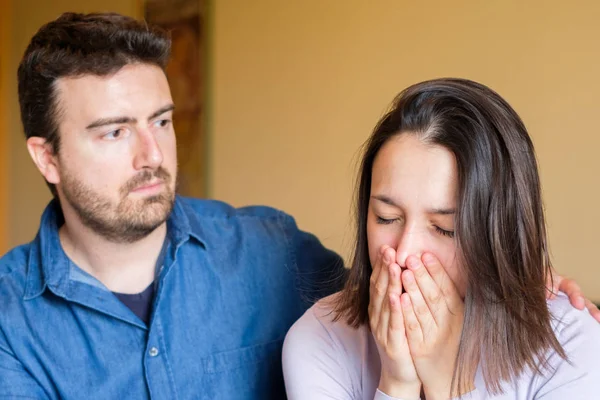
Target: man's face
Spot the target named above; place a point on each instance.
(117, 161)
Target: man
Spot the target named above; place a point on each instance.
(129, 291)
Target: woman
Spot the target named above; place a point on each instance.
(447, 292)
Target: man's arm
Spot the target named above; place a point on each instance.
(320, 271)
(15, 381)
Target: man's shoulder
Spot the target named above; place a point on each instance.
(218, 223)
(13, 278)
(13, 264)
(266, 233)
(208, 208)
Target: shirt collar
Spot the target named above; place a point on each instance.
(49, 266)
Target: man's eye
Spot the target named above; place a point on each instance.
(163, 123)
(113, 135)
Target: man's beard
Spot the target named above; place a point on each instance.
(127, 221)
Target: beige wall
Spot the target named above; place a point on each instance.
(298, 85)
(28, 192)
(5, 45)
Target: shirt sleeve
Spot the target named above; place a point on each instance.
(319, 271)
(15, 381)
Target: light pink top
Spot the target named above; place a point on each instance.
(329, 360)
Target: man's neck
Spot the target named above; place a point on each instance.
(121, 267)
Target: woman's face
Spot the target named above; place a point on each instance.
(413, 203)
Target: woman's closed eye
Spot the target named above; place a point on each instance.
(444, 232)
(385, 221)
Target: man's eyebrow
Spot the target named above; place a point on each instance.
(162, 110)
(110, 121)
(128, 120)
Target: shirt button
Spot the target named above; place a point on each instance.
(153, 352)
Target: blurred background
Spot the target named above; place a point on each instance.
(276, 97)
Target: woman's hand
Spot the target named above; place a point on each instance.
(433, 315)
(398, 375)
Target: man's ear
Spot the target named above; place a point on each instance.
(44, 158)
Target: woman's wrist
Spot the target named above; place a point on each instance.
(403, 390)
(444, 393)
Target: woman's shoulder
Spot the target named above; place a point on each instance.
(578, 333)
(567, 321)
(321, 322)
(321, 350)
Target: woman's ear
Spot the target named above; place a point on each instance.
(44, 158)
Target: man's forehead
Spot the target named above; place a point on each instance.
(143, 75)
(128, 92)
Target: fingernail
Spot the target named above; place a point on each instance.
(405, 300)
(413, 263)
(386, 257)
(428, 258)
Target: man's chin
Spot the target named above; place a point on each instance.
(153, 210)
(137, 205)
(140, 226)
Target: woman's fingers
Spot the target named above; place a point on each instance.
(379, 286)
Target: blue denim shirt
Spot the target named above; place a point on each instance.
(233, 282)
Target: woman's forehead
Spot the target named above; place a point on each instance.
(409, 170)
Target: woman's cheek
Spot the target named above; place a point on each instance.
(376, 238)
(456, 275)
